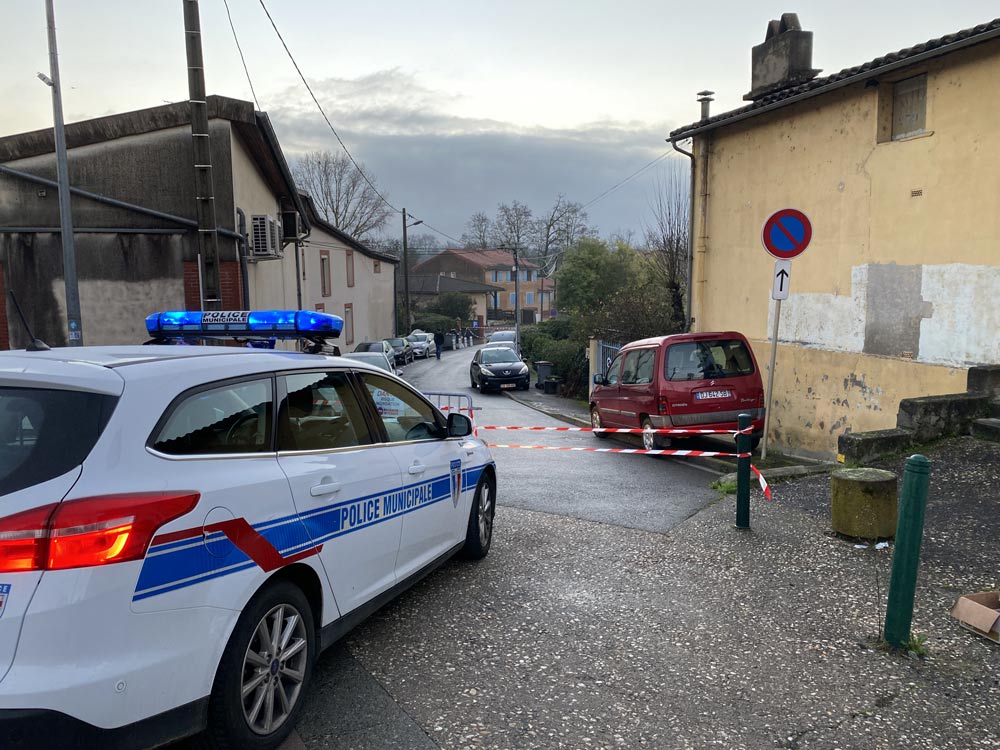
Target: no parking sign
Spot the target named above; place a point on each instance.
(786, 233)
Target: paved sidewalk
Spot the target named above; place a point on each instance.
(771, 636)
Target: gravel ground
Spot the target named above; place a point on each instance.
(575, 634)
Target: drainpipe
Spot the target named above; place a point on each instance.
(241, 256)
(690, 243)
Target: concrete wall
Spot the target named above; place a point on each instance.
(895, 297)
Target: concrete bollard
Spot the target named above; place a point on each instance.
(863, 503)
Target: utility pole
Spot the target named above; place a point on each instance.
(406, 275)
(208, 236)
(517, 301)
(406, 280)
(73, 321)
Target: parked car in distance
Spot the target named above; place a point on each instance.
(696, 380)
(422, 344)
(504, 338)
(498, 367)
(378, 359)
(401, 350)
(376, 346)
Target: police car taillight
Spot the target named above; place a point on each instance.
(89, 531)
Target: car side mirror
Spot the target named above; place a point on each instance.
(600, 380)
(459, 425)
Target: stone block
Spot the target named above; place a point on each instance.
(984, 379)
(931, 417)
(864, 503)
(987, 429)
(863, 447)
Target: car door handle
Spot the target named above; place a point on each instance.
(417, 469)
(317, 490)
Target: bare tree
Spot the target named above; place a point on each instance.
(479, 231)
(513, 226)
(341, 193)
(560, 228)
(667, 237)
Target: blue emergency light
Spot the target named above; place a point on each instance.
(285, 324)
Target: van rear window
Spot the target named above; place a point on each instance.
(46, 432)
(707, 360)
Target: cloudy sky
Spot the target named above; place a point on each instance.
(455, 105)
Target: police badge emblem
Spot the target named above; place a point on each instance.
(456, 481)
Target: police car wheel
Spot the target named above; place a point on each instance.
(479, 534)
(265, 669)
(595, 422)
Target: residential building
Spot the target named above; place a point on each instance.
(895, 162)
(133, 203)
(346, 277)
(495, 268)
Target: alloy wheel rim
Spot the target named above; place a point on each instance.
(648, 438)
(595, 419)
(485, 514)
(273, 669)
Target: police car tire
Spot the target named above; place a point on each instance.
(227, 728)
(476, 548)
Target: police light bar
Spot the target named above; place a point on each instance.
(290, 324)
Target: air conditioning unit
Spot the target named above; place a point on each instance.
(265, 240)
(291, 225)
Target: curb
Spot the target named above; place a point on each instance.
(550, 413)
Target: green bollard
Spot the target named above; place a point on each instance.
(906, 555)
(743, 474)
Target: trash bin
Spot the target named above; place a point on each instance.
(544, 369)
(552, 385)
(450, 341)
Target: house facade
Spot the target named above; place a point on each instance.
(895, 164)
(340, 275)
(133, 204)
(496, 269)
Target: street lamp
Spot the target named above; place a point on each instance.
(406, 273)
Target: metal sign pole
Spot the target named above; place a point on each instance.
(770, 379)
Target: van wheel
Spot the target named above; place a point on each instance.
(264, 672)
(650, 440)
(595, 422)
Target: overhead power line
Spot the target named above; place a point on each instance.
(323, 112)
(631, 177)
(240, 50)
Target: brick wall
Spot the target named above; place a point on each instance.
(229, 277)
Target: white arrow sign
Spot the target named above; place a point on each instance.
(782, 277)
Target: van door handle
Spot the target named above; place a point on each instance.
(417, 469)
(318, 490)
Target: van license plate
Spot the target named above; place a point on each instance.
(508, 385)
(713, 394)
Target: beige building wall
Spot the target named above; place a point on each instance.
(897, 293)
(368, 303)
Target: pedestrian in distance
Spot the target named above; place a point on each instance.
(438, 344)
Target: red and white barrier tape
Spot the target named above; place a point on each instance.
(626, 430)
(763, 482)
(637, 451)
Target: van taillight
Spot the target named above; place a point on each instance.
(661, 405)
(760, 400)
(89, 531)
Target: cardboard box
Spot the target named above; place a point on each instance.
(979, 613)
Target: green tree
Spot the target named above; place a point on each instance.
(454, 305)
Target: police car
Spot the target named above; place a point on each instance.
(184, 528)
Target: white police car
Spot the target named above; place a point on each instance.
(184, 528)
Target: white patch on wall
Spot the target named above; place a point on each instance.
(962, 328)
(965, 326)
(827, 321)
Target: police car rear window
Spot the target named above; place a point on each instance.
(704, 360)
(46, 432)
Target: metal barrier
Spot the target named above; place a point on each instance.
(460, 402)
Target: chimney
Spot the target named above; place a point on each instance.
(705, 97)
(783, 60)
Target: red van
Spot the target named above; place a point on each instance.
(696, 380)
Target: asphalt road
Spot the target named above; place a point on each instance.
(537, 645)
